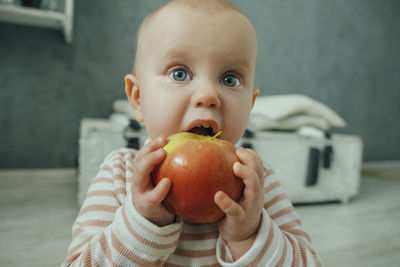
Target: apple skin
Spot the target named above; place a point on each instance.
(198, 166)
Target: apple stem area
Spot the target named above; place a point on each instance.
(216, 135)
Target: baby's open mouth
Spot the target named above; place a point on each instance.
(202, 130)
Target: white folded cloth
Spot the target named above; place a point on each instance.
(291, 112)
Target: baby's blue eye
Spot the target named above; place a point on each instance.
(230, 80)
(180, 75)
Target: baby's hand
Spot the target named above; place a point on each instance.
(243, 218)
(147, 198)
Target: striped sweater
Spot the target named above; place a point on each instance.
(108, 230)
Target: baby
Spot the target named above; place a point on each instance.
(194, 71)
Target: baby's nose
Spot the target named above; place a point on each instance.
(206, 97)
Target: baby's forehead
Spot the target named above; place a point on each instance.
(182, 14)
(171, 9)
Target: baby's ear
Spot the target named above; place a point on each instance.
(132, 90)
(256, 92)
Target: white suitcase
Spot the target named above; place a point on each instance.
(298, 161)
(311, 169)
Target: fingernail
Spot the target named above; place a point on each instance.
(236, 166)
(164, 181)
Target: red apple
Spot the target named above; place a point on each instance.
(198, 166)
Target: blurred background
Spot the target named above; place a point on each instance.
(342, 53)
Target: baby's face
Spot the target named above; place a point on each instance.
(195, 69)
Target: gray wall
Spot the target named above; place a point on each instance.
(343, 53)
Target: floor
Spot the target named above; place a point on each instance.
(36, 219)
(364, 232)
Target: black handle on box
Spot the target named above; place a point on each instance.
(247, 145)
(313, 166)
(134, 125)
(248, 134)
(133, 143)
(328, 156)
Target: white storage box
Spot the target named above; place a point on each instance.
(98, 138)
(311, 169)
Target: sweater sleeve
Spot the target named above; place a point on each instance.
(281, 239)
(108, 230)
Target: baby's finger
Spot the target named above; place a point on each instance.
(250, 178)
(145, 166)
(228, 206)
(151, 146)
(250, 158)
(158, 194)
